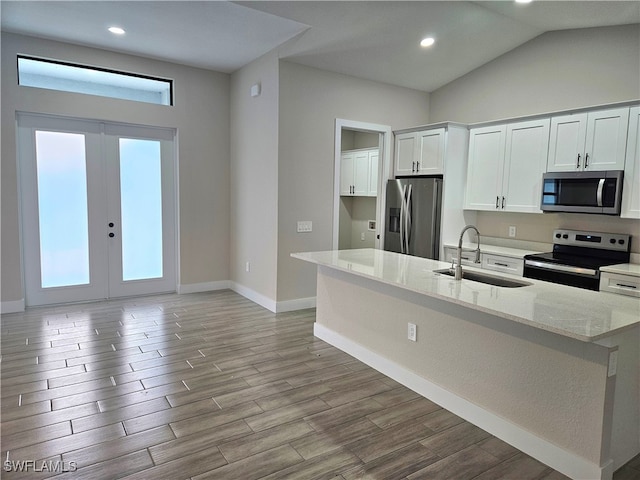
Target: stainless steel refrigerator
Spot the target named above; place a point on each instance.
(413, 216)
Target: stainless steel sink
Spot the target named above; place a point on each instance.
(486, 278)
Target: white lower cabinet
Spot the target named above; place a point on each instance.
(619, 283)
(468, 257)
(488, 261)
(500, 263)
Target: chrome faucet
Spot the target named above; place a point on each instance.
(458, 268)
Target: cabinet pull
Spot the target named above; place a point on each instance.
(503, 202)
(417, 166)
(578, 165)
(625, 285)
(501, 264)
(497, 202)
(586, 160)
(413, 167)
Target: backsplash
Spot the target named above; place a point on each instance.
(539, 227)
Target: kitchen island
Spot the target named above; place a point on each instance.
(552, 370)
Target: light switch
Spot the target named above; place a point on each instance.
(305, 226)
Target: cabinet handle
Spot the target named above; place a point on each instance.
(625, 286)
(417, 166)
(413, 167)
(497, 202)
(586, 160)
(503, 202)
(578, 165)
(502, 264)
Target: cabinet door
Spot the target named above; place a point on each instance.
(361, 173)
(374, 155)
(406, 153)
(566, 144)
(631, 188)
(346, 174)
(484, 174)
(606, 139)
(431, 152)
(525, 162)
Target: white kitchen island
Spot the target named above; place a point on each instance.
(550, 369)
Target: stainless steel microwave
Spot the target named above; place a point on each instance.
(582, 192)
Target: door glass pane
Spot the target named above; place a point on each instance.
(141, 209)
(62, 209)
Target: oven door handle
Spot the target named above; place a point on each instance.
(599, 192)
(562, 268)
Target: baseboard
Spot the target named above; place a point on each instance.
(297, 304)
(557, 458)
(203, 287)
(254, 296)
(14, 306)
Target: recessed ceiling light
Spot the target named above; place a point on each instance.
(427, 42)
(524, 1)
(116, 30)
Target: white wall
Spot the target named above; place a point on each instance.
(200, 115)
(310, 102)
(254, 180)
(555, 71)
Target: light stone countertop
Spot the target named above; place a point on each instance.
(632, 269)
(572, 312)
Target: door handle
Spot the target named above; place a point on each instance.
(111, 235)
(503, 202)
(497, 202)
(586, 160)
(578, 165)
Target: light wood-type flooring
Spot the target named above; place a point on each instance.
(213, 386)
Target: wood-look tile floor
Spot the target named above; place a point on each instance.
(212, 386)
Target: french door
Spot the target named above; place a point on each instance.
(98, 209)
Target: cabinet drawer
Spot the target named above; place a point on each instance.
(622, 284)
(499, 263)
(468, 257)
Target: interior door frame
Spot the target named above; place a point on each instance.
(385, 172)
(41, 120)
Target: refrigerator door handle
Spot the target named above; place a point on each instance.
(409, 215)
(402, 220)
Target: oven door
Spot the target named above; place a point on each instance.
(582, 192)
(563, 274)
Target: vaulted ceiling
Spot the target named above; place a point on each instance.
(376, 40)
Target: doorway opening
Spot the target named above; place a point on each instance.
(362, 168)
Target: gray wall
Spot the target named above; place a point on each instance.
(254, 177)
(200, 115)
(310, 102)
(555, 71)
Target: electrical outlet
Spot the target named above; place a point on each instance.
(305, 226)
(362, 236)
(247, 267)
(412, 332)
(512, 231)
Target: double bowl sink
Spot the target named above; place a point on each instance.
(485, 278)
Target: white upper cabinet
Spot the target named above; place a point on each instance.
(484, 174)
(631, 187)
(506, 163)
(588, 141)
(420, 153)
(358, 169)
(524, 164)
